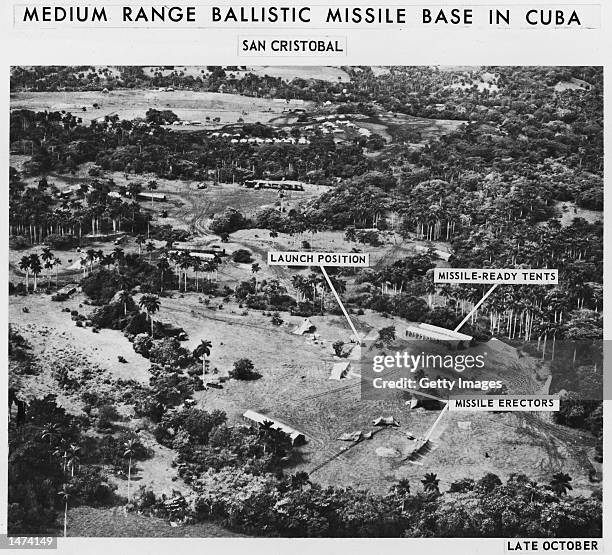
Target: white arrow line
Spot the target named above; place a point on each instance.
(442, 412)
(476, 307)
(357, 336)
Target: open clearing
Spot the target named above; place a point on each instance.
(90, 522)
(296, 389)
(133, 103)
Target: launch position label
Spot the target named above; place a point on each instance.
(511, 276)
(297, 258)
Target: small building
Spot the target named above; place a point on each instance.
(297, 437)
(151, 196)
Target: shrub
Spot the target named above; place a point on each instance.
(142, 344)
(229, 221)
(242, 256)
(18, 242)
(107, 414)
(244, 370)
(61, 242)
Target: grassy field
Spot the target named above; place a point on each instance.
(89, 522)
(286, 73)
(569, 211)
(133, 103)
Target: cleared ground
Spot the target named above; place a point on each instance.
(133, 103)
(89, 522)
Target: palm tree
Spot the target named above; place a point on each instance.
(184, 263)
(73, 458)
(203, 350)
(47, 257)
(163, 266)
(140, 240)
(150, 248)
(401, 490)
(130, 448)
(431, 483)
(24, 266)
(124, 297)
(254, 269)
(117, 255)
(560, 483)
(62, 451)
(50, 431)
(91, 257)
(265, 430)
(151, 304)
(65, 494)
(56, 262)
(299, 480)
(196, 264)
(36, 268)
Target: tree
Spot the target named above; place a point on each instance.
(350, 235)
(65, 494)
(431, 483)
(124, 298)
(151, 304)
(203, 351)
(140, 240)
(244, 370)
(35, 268)
(338, 346)
(150, 248)
(47, 257)
(52, 432)
(299, 480)
(560, 483)
(387, 335)
(255, 267)
(56, 263)
(163, 266)
(130, 448)
(24, 266)
(401, 491)
(73, 458)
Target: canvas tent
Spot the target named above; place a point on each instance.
(297, 437)
(385, 421)
(339, 370)
(351, 436)
(355, 353)
(305, 327)
(437, 334)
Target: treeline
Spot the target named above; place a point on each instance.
(262, 504)
(57, 142)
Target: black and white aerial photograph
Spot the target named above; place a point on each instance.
(250, 301)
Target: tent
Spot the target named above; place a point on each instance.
(339, 370)
(297, 437)
(385, 421)
(351, 436)
(305, 327)
(355, 353)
